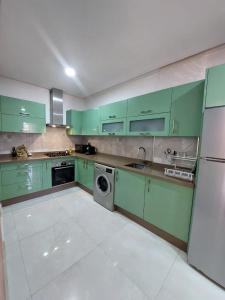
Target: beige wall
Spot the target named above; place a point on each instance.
(54, 139)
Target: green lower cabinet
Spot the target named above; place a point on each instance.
(130, 191)
(168, 206)
(47, 174)
(150, 125)
(186, 109)
(0, 122)
(20, 179)
(14, 123)
(85, 173)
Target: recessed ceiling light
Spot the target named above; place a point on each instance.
(70, 72)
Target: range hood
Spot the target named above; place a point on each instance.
(56, 108)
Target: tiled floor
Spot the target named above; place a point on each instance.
(64, 246)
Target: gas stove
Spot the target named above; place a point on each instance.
(57, 154)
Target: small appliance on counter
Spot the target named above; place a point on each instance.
(85, 149)
(90, 149)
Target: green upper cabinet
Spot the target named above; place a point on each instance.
(90, 122)
(149, 125)
(152, 103)
(215, 86)
(116, 110)
(168, 206)
(14, 106)
(22, 116)
(74, 120)
(113, 127)
(130, 191)
(186, 109)
(84, 173)
(25, 124)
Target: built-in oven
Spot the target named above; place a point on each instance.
(63, 172)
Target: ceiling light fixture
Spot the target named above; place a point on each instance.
(70, 72)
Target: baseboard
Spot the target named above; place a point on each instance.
(166, 236)
(38, 194)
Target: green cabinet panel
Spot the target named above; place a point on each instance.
(114, 110)
(20, 179)
(90, 122)
(113, 127)
(74, 120)
(15, 106)
(152, 103)
(186, 109)
(130, 191)
(168, 206)
(0, 122)
(85, 172)
(150, 125)
(215, 86)
(25, 124)
(47, 174)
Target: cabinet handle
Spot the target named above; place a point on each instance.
(116, 176)
(173, 126)
(149, 185)
(146, 111)
(142, 133)
(24, 114)
(112, 117)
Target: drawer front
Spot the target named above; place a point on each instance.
(20, 165)
(19, 189)
(14, 123)
(153, 103)
(29, 175)
(113, 110)
(15, 106)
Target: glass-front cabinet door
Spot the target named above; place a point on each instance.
(113, 127)
(152, 125)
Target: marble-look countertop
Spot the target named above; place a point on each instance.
(152, 169)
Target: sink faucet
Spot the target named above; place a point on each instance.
(144, 152)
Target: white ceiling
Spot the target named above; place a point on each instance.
(106, 41)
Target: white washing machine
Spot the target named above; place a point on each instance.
(104, 186)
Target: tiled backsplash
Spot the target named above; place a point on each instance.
(54, 139)
(128, 146)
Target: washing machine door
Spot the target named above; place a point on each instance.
(103, 185)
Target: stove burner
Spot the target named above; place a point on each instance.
(57, 154)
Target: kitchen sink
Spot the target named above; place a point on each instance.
(137, 165)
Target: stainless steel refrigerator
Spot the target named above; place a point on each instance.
(207, 238)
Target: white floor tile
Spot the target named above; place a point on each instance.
(51, 252)
(183, 282)
(9, 233)
(95, 277)
(38, 217)
(100, 223)
(16, 277)
(144, 257)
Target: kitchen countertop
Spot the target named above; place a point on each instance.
(153, 169)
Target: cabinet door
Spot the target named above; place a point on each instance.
(130, 191)
(152, 103)
(74, 120)
(14, 123)
(85, 172)
(186, 110)
(168, 206)
(89, 180)
(150, 125)
(0, 122)
(47, 174)
(113, 110)
(215, 86)
(21, 107)
(113, 127)
(90, 122)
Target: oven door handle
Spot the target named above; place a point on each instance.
(60, 168)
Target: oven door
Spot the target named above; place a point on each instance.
(61, 175)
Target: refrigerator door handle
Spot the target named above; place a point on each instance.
(219, 160)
